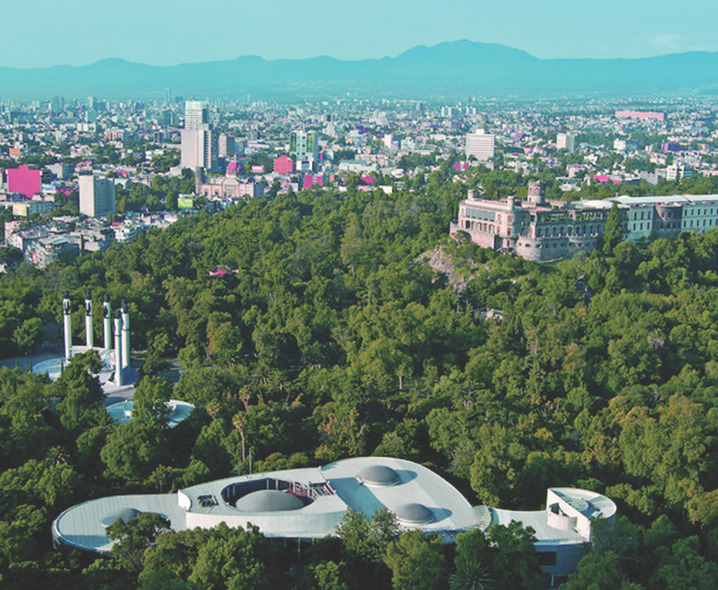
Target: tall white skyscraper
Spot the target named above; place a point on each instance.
(196, 113)
(97, 196)
(199, 141)
(480, 145)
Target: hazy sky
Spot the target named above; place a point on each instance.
(166, 32)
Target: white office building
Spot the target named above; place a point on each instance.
(199, 148)
(565, 141)
(480, 145)
(97, 196)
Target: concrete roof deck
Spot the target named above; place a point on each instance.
(536, 519)
(81, 526)
(702, 199)
(303, 476)
(598, 504)
(490, 203)
(653, 200)
(417, 484)
(415, 490)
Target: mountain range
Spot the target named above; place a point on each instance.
(451, 69)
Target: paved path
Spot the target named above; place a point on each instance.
(113, 394)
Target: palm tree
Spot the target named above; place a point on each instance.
(471, 575)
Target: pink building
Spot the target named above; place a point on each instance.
(283, 165)
(641, 115)
(605, 179)
(233, 168)
(309, 180)
(237, 166)
(231, 187)
(24, 181)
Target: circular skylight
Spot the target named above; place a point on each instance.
(379, 475)
(268, 501)
(414, 513)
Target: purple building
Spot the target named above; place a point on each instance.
(670, 146)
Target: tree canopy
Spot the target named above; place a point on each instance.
(330, 336)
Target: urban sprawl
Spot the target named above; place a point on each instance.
(81, 175)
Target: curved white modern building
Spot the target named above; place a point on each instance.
(309, 504)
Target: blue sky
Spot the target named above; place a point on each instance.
(166, 32)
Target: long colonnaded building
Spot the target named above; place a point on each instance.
(538, 230)
(309, 503)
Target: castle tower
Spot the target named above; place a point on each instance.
(535, 196)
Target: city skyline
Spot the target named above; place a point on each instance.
(163, 33)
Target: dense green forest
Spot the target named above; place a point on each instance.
(332, 337)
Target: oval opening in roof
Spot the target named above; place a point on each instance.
(126, 514)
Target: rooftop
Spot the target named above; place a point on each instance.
(310, 503)
(296, 503)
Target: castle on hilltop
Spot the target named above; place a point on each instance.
(536, 229)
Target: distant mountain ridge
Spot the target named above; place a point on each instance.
(451, 69)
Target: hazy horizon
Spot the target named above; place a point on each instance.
(46, 33)
(234, 57)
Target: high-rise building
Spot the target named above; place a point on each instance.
(199, 149)
(565, 141)
(227, 146)
(304, 146)
(199, 141)
(57, 104)
(480, 145)
(165, 118)
(196, 114)
(97, 196)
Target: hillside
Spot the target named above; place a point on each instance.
(450, 69)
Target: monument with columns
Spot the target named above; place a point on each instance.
(116, 370)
